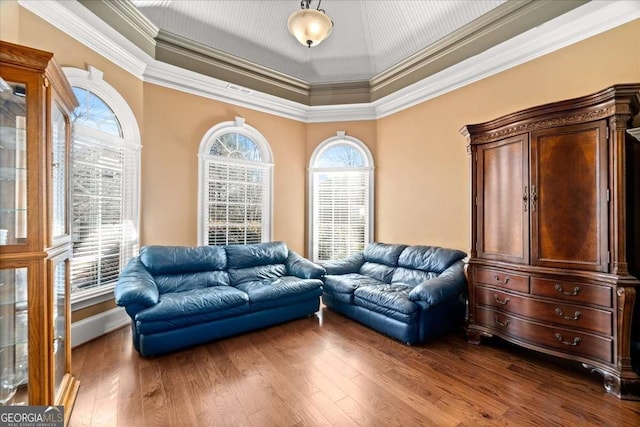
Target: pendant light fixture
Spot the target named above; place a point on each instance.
(310, 26)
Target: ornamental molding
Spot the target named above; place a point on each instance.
(544, 124)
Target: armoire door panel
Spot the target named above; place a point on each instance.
(568, 197)
(503, 220)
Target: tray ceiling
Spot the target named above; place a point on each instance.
(368, 36)
(376, 48)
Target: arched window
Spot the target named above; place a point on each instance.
(341, 198)
(104, 184)
(234, 186)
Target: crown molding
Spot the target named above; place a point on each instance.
(497, 26)
(78, 22)
(185, 53)
(127, 20)
(173, 77)
(578, 24)
(507, 20)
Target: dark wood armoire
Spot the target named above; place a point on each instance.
(555, 232)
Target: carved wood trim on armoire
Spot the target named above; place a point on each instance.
(555, 233)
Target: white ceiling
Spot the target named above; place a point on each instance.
(369, 36)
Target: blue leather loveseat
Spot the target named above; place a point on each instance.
(181, 296)
(411, 293)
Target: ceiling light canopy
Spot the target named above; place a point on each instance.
(310, 26)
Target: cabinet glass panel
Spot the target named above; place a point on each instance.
(59, 322)
(13, 163)
(13, 336)
(59, 165)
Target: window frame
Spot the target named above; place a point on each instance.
(92, 80)
(340, 139)
(204, 157)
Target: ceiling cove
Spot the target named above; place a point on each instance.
(322, 102)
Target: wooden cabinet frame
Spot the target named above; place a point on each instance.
(46, 87)
(578, 154)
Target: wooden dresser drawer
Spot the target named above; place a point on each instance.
(560, 339)
(572, 291)
(592, 319)
(502, 279)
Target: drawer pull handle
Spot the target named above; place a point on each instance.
(499, 301)
(576, 340)
(575, 316)
(504, 282)
(573, 293)
(504, 325)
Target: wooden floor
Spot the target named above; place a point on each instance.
(328, 370)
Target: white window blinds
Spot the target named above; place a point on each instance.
(341, 175)
(237, 202)
(235, 186)
(340, 213)
(104, 180)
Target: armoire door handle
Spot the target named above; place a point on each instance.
(534, 197)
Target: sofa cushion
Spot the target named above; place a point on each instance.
(241, 275)
(270, 293)
(187, 281)
(220, 301)
(429, 258)
(383, 253)
(243, 256)
(411, 277)
(347, 283)
(179, 259)
(390, 300)
(380, 272)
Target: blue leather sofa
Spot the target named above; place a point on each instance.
(411, 293)
(181, 296)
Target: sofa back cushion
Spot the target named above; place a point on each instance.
(257, 254)
(380, 260)
(257, 261)
(179, 259)
(383, 253)
(419, 263)
(411, 277)
(178, 268)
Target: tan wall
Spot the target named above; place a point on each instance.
(174, 124)
(422, 170)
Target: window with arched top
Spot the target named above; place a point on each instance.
(341, 198)
(104, 184)
(234, 186)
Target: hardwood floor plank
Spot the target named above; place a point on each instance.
(404, 407)
(329, 370)
(358, 413)
(89, 378)
(334, 413)
(154, 402)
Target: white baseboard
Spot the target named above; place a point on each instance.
(98, 325)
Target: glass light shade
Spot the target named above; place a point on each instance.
(309, 26)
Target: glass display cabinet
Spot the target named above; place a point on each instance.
(35, 244)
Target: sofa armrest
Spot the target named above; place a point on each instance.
(347, 265)
(136, 287)
(303, 268)
(448, 284)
